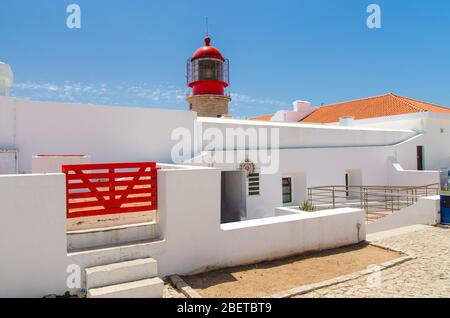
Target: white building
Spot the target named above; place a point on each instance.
(223, 184)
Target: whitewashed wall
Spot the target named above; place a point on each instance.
(33, 244)
(107, 133)
(33, 248)
(53, 164)
(425, 211)
(300, 135)
(8, 162)
(311, 167)
(435, 129)
(196, 241)
(7, 122)
(397, 176)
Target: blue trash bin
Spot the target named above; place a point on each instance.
(445, 208)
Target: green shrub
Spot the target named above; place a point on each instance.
(307, 206)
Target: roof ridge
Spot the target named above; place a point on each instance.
(420, 101)
(402, 99)
(357, 100)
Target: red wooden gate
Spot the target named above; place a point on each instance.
(103, 189)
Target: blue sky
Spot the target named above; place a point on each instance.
(133, 53)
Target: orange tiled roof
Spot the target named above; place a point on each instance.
(379, 106)
(263, 118)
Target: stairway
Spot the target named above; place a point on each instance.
(123, 234)
(129, 279)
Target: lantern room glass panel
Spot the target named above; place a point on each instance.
(207, 70)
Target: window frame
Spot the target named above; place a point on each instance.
(199, 68)
(251, 191)
(291, 185)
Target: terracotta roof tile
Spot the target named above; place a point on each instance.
(263, 118)
(379, 106)
(372, 107)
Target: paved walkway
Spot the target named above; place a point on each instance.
(427, 275)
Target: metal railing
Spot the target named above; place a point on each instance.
(370, 198)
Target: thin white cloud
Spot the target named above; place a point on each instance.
(123, 94)
(245, 99)
(141, 95)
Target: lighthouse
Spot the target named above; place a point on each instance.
(208, 77)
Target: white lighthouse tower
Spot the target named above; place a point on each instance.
(6, 79)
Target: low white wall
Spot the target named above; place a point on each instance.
(265, 239)
(33, 249)
(397, 176)
(287, 211)
(189, 203)
(426, 211)
(52, 164)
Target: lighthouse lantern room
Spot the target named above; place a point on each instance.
(208, 76)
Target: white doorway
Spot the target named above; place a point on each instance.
(353, 180)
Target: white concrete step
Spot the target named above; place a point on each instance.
(116, 253)
(118, 273)
(83, 239)
(146, 288)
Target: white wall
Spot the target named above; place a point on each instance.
(7, 122)
(8, 162)
(312, 167)
(33, 248)
(425, 211)
(397, 176)
(271, 238)
(108, 134)
(33, 243)
(189, 206)
(53, 164)
(196, 241)
(299, 187)
(261, 206)
(437, 145)
(434, 140)
(300, 135)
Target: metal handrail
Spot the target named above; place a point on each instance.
(378, 198)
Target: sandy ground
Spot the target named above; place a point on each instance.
(268, 278)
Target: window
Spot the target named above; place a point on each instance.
(253, 184)
(207, 69)
(287, 190)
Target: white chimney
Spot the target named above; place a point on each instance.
(301, 110)
(346, 121)
(301, 106)
(6, 79)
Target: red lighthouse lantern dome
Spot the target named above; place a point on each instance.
(208, 71)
